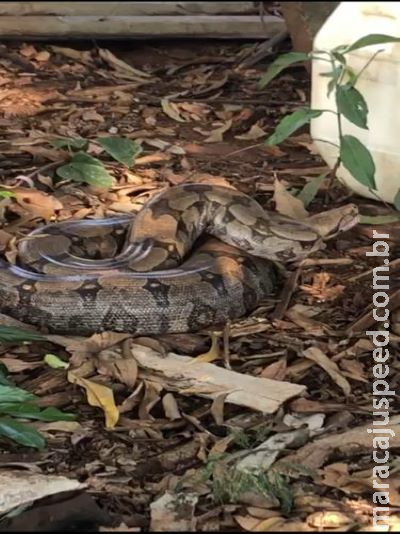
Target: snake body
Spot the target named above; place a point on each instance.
(168, 287)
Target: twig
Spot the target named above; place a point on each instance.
(395, 263)
(264, 50)
(286, 295)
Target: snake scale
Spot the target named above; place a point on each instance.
(154, 283)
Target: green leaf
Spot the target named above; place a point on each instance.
(372, 39)
(7, 194)
(352, 105)
(84, 168)
(357, 160)
(307, 194)
(12, 334)
(31, 411)
(121, 149)
(4, 381)
(378, 219)
(281, 63)
(14, 394)
(291, 123)
(70, 143)
(55, 362)
(339, 57)
(396, 200)
(21, 433)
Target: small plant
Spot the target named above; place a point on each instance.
(82, 167)
(350, 104)
(17, 404)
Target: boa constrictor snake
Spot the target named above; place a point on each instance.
(153, 285)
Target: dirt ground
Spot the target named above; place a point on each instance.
(199, 115)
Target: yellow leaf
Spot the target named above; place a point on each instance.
(100, 396)
(212, 354)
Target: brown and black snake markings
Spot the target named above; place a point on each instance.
(156, 283)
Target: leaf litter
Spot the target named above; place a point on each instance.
(152, 417)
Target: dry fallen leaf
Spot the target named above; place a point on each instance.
(254, 133)
(287, 204)
(99, 396)
(217, 408)
(172, 110)
(276, 370)
(171, 408)
(217, 135)
(320, 288)
(36, 203)
(212, 354)
(316, 355)
(330, 519)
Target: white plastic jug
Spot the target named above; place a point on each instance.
(379, 84)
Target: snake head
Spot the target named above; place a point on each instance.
(333, 222)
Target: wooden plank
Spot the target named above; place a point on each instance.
(126, 8)
(222, 26)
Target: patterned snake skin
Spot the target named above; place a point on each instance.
(155, 283)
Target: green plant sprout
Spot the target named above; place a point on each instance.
(82, 167)
(350, 103)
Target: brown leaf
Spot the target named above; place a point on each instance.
(172, 110)
(254, 133)
(82, 348)
(92, 115)
(171, 408)
(217, 408)
(275, 371)
(36, 203)
(330, 519)
(320, 288)
(42, 56)
(15, 365)
(150, 399)
(287, 204)
(122, 369)
(316, 355)
(353, 369)
(217, 135)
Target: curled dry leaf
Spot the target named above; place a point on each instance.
(217, 135)
(83, 348)
(99, 396)
(171, 408)
(287, 204)
(316, 355)
(275, 371)
(254, 133)
(127, 71)
(16, 365)
(320, 288)
(150, 399)
(329, 519)
(172, 110)
(212, 354)
(36, 203)
(124, 370)
(217, 408)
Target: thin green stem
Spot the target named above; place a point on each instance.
(365, 66)
(328, 142)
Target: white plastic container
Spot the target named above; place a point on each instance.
(379, 84)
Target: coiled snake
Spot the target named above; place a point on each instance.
(153, 285)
